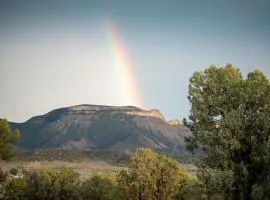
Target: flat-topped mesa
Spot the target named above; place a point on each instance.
(98, 127)
(144, 113)
(86, 107)
(115, 110)
(175, 122)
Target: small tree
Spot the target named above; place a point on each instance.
(69, 184)
(13, 171)
(99, 188)
(16, 189)
(46, 184)
(7, 138)
(152, 176)
(140, 179)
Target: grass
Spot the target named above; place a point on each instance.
(85, 168)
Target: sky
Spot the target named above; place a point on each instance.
(58, 53)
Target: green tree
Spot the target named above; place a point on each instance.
(152, 176)
(16, 189)
(32, 181)
(7, 138)
(139, 180)
(168, 178)
(47, 181)
(99, 188)
(230, 119)
(13, 171)
(69, 184)
(48, 184)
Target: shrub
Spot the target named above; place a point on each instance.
(13, 171)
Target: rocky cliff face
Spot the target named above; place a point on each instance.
(102, 127)
(151, 113)
(175, 122)
(125, 110)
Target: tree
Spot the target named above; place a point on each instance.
(69, 183)
(15, 189)
(49, 188)
(61, 184)
(231, 124)
(139, 180)
(152, 176)
(99, 188)
(7, 138)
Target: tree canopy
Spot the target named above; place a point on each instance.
(230, 120)
(152, 176)
(7, 138)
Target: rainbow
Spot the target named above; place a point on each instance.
(123, 65)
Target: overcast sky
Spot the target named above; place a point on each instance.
(55, 53)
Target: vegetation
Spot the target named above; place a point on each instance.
(13, 171)
(149, 176)
(112, 156)
(230, 119)
(101, 187)
(7, 138)
(152, 176)
(3, 176)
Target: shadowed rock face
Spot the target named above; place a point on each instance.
(87, 127)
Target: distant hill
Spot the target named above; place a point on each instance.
(93, 127)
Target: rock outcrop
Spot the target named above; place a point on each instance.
(151, 113)
(175, 122)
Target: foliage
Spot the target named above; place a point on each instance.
(100, 187)
(45, 184)
(49, 184)
(230, 119)
(69, 182)
(152, 176)
(16, 189)
(13, 171)
(7, 138)
(139, 180)
(149, 176)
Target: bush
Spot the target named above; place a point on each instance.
(149, 176)
(16, 189)
(52, 184)
(97, 188)
(13, 171)
(152, 176)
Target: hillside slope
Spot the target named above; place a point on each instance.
(86, 127)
